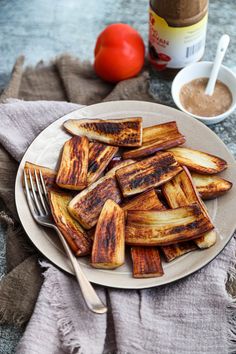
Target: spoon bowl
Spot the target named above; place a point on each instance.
(200, 70)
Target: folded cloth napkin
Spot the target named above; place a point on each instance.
(193, 315)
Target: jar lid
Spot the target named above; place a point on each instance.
(180, 13)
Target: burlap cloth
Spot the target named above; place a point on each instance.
(64, 79)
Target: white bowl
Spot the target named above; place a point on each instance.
(198, 70)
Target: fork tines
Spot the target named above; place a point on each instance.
(36, 192)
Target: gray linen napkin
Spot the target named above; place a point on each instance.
(190, 315)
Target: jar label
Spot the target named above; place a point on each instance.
(175, 47)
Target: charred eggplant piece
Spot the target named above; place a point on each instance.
(99, 157)
(109, 240)
(179, 249)
(114, 162)
(87, 205)
(145, 201)
(118, 132)
(180, 191)
(75, 235)
(49, 174)
(210, 187)
(161, 228)
(199, 161)
(156, 138)
(146, 262)
(207, 240)
(73, 169)
(147, 173)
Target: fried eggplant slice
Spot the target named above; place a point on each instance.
(210, 187)
(146, 262)
(145, 201)
(147, 173)
(207, 240)
(161, 228)
(178, 249)
(180, 191)
(118, 132)
(73, 168)
(99, 157)
(199, 161)
(48, 174)
(156, 138)
(76, 237)
(87, 205)
(114, 162)
(108, 250)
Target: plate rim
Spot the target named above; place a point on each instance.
(104, 283)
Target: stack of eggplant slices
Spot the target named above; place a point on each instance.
(119, 184)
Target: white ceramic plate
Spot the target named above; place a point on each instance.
(45, 150)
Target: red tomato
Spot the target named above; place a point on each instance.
(119, 53)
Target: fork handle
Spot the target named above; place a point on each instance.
(91, 298)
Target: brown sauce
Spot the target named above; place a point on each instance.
(195, 101)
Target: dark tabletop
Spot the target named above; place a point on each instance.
(41, 29)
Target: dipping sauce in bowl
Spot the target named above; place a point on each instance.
(207, 109)
(195, 101)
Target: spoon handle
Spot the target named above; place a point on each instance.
(220, 53)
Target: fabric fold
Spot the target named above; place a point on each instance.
(67, 78)
(12, 90)
(80, 81)
(191, 313)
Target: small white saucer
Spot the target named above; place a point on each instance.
(199, 70)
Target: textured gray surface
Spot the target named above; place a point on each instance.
(41, 29)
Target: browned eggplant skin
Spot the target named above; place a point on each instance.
(156, 138)
(87, 205)
(99, 157)
(145, 201)
(146, 262)
(73, 168)
(118, 132)
(147, 173)
(152, 148)
(208, 193)
(177, 250)
(139, 231)
(220, 164)
(87, 209)
(151, 133)
(79, 242)
(49, 174)
(181, 191)
(109, 239)
(211, 189)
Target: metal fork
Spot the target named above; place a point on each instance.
(37, 198)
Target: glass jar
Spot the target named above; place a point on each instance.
(177, 32)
